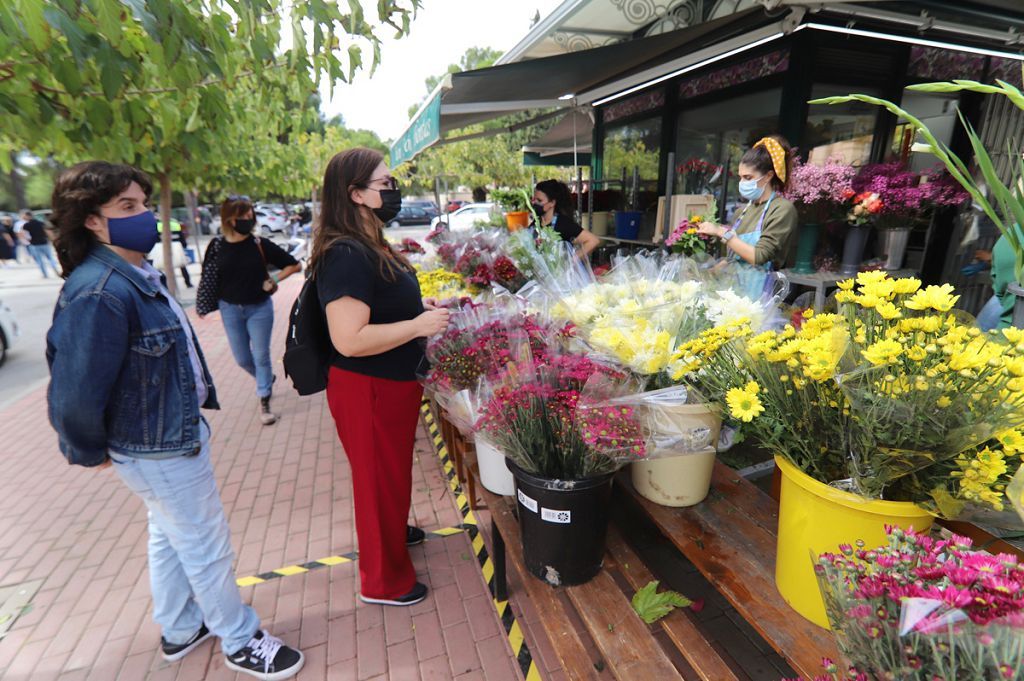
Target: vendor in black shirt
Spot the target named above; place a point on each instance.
(236, 270)
(377, 320)
(552, 202)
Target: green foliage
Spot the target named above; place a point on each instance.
(651, 606)
(516, 199)
(196, 92)
(1004, 202)
(620, 153)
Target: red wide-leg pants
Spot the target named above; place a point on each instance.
(376, 420)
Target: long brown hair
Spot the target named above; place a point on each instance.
(232, 209)
(341, 218)
(79, 192)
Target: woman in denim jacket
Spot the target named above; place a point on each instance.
(127, 380)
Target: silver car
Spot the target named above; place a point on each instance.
(9, 331)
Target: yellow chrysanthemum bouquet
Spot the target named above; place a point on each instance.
(441, 284)
(890, 397)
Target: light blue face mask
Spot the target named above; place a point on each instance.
(750, 190)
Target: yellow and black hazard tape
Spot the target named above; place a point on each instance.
(329, 561)
(515, 635)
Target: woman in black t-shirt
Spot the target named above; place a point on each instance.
(552, 202)
(377, 320)
(239, 265)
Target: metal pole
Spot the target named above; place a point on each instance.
(579, 193)
(670, 179)
(635, 190)
(724, 196)
(437, 197)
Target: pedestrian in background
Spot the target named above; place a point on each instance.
(39, 244)
(377, 324)
(236, 280)
(7, 241)
(127, 382)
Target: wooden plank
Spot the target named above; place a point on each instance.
(577, 663)
(738, 557)
(622, 637)
(746, 496)
(679, 625)
(982, 539)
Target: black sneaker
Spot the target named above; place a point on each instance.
(418, 593)
(266, 657)
(414, 535)
(176, 651)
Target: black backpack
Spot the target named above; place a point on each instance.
(307, 349)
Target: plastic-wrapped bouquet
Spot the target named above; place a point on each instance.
(534, 413)
(920, 609)
(895, 395)
(685, 238)
(441, 284)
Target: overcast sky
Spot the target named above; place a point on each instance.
(441, 32)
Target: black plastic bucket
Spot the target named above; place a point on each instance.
(563, 523)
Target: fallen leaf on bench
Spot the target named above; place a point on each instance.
(651, 606)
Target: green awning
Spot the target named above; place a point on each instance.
(424, 130)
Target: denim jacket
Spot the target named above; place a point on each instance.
(120, 375)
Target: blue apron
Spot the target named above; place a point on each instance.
(753, 279)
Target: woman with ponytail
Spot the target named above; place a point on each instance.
(762, 234)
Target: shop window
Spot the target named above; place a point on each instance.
(938, 112)
(634, 145)
(845, 130)
(720, 133)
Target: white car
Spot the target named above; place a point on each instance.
(271, 223)
(464, 217)
(9, 330)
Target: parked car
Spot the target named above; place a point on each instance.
(454, 205)
(272, 223)
(411, 215)
(464, 217)
(429, 206)
(9, 331)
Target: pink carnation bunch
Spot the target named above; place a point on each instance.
(921, 609)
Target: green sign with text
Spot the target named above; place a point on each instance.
(424, 130)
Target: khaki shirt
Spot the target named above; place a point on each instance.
(777, 233)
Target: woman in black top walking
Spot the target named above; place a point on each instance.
(552, 202)
(239, 283)
(377, 322)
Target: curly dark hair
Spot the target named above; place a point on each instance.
(559, 193)
(78, 193)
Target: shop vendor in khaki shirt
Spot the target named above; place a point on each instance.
(763, 234)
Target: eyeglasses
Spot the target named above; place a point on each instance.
(238, 197)
(389, 183)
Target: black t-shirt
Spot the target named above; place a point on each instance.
(36, 232)
(566, 227)
(352, 270)
(241, 272)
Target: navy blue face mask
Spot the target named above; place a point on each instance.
(136, 233)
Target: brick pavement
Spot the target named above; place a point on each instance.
(287, 493)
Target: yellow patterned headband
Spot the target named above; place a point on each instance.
(777, 153)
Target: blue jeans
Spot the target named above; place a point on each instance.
(43, 255)
(190, 556)
(990, 315)
(248, 328)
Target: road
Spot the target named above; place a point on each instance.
(32, 299)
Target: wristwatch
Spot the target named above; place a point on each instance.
(728, 234)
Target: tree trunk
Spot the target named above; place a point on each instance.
(165, 220)
(17, 185)
(314, 210)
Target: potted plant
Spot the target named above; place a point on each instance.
(818, 192)
(563, 455)
(888, 393)
(516, 204)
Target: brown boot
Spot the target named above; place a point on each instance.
(267, 417)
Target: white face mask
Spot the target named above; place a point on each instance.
(750, 189)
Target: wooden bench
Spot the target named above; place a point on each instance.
(593, 629)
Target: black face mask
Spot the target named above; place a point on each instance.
(391, 203)
(538, 208)
(245, 225)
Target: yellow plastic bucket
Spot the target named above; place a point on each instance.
(814, 519)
